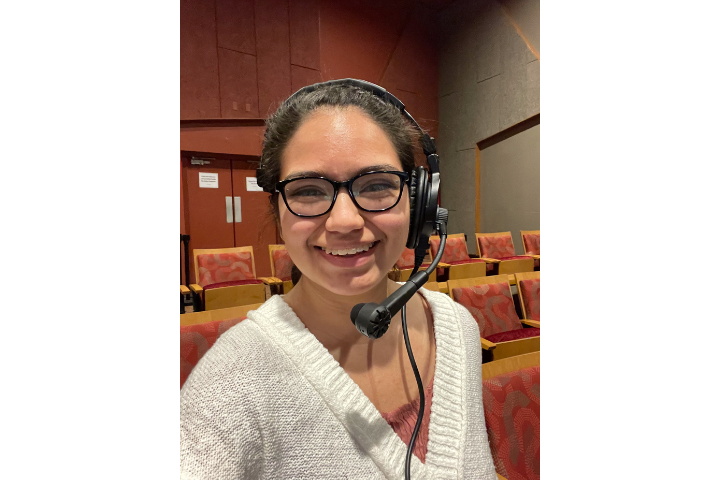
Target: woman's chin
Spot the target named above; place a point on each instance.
(354, 285)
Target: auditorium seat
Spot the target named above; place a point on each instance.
(528, 286)
(281, 266)
(489, 300)
(498, 248)
(511, 402)
(226, 278)
(406, 263)
(456, 258)
(531, 245)
(200, 330)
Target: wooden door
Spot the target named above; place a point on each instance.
(208, 205)
(253, 223)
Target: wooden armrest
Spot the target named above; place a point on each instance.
(443, 288)
(270, 280)
(443, 265)
(184, 290)
(196, 288)
(486, 345)
(536, 257)
(531, 323)
(500, 477)
(490, 260)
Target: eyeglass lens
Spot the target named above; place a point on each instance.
(313, 196)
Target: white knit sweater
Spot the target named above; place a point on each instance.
(268, 401)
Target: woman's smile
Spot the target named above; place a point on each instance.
(348, 257)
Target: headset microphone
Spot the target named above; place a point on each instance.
(372, 319)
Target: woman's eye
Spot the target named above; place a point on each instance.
(308, 193)
(377, 187)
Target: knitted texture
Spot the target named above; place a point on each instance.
(269, 401)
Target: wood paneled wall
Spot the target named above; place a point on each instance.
(241, 58)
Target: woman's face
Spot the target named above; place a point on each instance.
(339, 144)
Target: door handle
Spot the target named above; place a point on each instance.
(238, 210)
(229, 209)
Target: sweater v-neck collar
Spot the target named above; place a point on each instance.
(355, 410)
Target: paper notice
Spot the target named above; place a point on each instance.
(208, 180)
(251, 184)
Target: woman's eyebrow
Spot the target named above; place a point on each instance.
(372, 168)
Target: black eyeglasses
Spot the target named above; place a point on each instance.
(315, 196)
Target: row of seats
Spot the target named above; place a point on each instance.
(226, 277)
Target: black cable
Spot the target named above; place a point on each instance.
(411, 444)
(421, 411)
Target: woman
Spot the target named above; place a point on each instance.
(295, 391)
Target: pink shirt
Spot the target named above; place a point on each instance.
(402, 420)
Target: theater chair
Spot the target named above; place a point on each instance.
(511, 401)
(531, 245)
(226, 278)
(406, 263)
(281, 266)
(528, 285)
(490, 302)
(199, 331)
(456, 259)
(498, 248)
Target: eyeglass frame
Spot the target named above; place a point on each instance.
(280, 188)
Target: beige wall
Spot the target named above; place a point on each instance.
(489, 81)
(510, 186)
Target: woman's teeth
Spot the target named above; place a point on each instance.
(349, 251)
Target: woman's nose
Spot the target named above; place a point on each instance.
(344, 216)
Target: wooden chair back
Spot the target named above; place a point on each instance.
(208, 316)
(510, 364)
(472, 282)
(478, 236)
(527, 232)
(524, 276)
(271, 249)
(216, 251)
(437, 238)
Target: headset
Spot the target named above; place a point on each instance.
(426, 216)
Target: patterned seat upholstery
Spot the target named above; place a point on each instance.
(456, 252)
(283, 264)
(530, 293)
(531, 242)
(492, 307)
(196, 340)
(512, 417)
(224, 267)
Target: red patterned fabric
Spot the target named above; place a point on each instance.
(407, 259)
(492, 307)
(283, 264)
(232, 284)
(514, 257)
(512, 418)
(530, 290)
(402, 420)
(532, 243)
(513, 335)
(497, 247)
(455, 249)
(196, 340)
(224, 267)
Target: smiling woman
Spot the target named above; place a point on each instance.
(295, 391)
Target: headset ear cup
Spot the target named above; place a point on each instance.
(418, 187)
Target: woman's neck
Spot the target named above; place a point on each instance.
(327, 315)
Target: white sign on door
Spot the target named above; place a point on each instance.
(251, 184)
(208, 180)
